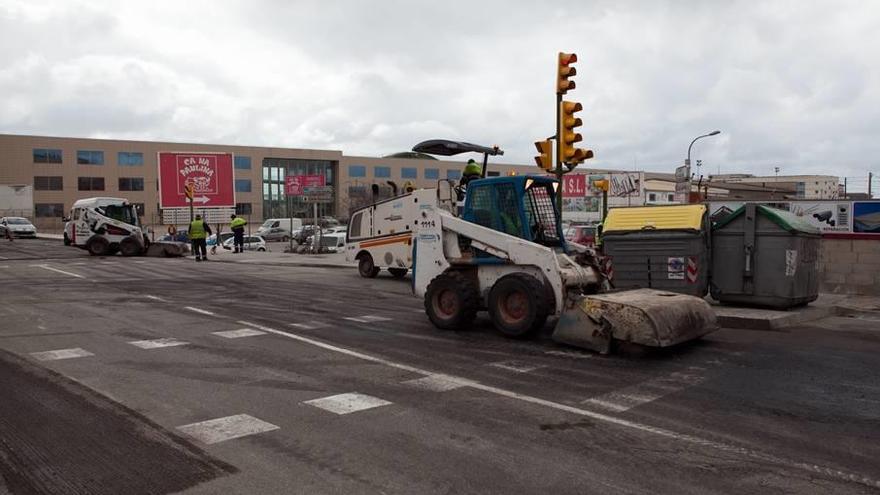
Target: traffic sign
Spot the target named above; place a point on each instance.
(317, 190)
(294, 184)
(209, 175)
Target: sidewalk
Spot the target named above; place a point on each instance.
(768, 319)
(278, 257)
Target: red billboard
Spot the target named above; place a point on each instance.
(294, 184)
(574, 186)
(210, 174)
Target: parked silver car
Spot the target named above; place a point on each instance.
(17, 226)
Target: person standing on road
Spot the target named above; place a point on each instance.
(199, 230)
(237, 226)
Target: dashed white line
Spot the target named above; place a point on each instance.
(47, 267)
(629, 397)
(683, 437)
(76, 352)
(347, 403)
(517, 366)
(157, 343)
(3, 258)
(4, 266)
(434, 383)
(155, 298)
(237, 334)
(367, 318)
(570, 354)
(222, 429)
(199, 310)
(310, 325)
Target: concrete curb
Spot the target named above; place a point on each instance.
(770, 320)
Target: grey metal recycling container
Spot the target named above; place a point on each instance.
(766, 257)
(659, 247)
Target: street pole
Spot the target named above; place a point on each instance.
(559, 152)
(191, 216)
(870, 178)
(687, 162)
(290, 214)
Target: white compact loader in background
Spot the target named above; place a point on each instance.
(105, 226)
(505, 253)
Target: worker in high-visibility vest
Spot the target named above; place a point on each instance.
(199, 230)
(237, 226)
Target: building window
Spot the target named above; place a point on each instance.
(382, 172)
(432, 173)
(91, 184)
(47, 155)
(453, 174)
(357, 171)
(409, 173)
(48, 183)
(49, 210)
(242, 162)
(670, 198)
(652, 197)
(86, 157)
(242, 185)
(131, 183)
(243, 209)
(129, 158)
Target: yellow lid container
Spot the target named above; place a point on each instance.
(678, 217)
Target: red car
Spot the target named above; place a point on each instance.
(584, 235)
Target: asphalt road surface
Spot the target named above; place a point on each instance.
(142, 375)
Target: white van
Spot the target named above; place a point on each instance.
(279, 229)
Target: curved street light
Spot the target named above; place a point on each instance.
(713, 133)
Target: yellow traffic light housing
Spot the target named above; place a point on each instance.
(545, 157)
(568, 135)
(564, 71)
(601, 184)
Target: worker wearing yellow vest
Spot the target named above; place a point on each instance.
(199, 230)
(237, 226)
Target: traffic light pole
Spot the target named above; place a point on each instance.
(191, 216)
(559, 152)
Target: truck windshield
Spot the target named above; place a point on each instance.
(121, 213)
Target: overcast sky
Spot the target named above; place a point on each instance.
(790, 84)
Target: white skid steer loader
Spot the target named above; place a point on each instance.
(505, 253)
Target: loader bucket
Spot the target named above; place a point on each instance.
(644, 316)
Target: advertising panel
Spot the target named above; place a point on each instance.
(210, 175)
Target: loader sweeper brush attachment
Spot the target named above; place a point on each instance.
(646, 317)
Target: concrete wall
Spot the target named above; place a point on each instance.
(850, 266)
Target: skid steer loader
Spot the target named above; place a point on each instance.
(505, 253)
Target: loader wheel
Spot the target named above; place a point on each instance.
(397, 272)
(451, 301)
(66, 240)
(518, 305)
(129, 247)
(366, 267)
(98, 246)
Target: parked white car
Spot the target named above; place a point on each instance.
(251, 243)
(17, 226)
(333, 243)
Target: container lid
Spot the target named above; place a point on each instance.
(784, 219)
(679, 217)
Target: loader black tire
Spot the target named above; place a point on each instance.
(519, 305)
(366, 267)
(452, 301)
(129, 247)
(398, 272)
(98, 246)
(66, 240)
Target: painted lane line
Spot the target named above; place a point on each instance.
(4, 266)
(434, 383)
(3, 258)
(81, 263)
(237, 334)
(76, 352)
(47, 267)
(156, 298)
(221, 429)
(633, 425)
(570, 354)
(198, 310)
(347, 403)
(517, 366)
(642, 393)
(157, 343)
(310, 325)
(367, 318)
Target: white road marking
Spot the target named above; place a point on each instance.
(367, 318)
(222, 429)
(140, 262)
(570, 354)
(3, 258)
(237, 334)
(662, 432)
(4, 266)
(310, 325)
(47, 267)
(347, 403)
(434, 383)
(157, 343)
(517, 366)
(155, 298)
(61, 354)
(198, 310)
(79, 264)
(629, 397)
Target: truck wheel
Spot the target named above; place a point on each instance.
(398, 272)
(518, 305)
(66, 240)
(366, 267)
(452, 301)
(129, 247)
(98, 246)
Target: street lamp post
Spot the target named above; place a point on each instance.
(713, 133)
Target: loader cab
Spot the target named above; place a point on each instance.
(521, 206)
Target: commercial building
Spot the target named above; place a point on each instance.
(804, 186)
(61, 170)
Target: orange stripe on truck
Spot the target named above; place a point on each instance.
(389, 240)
